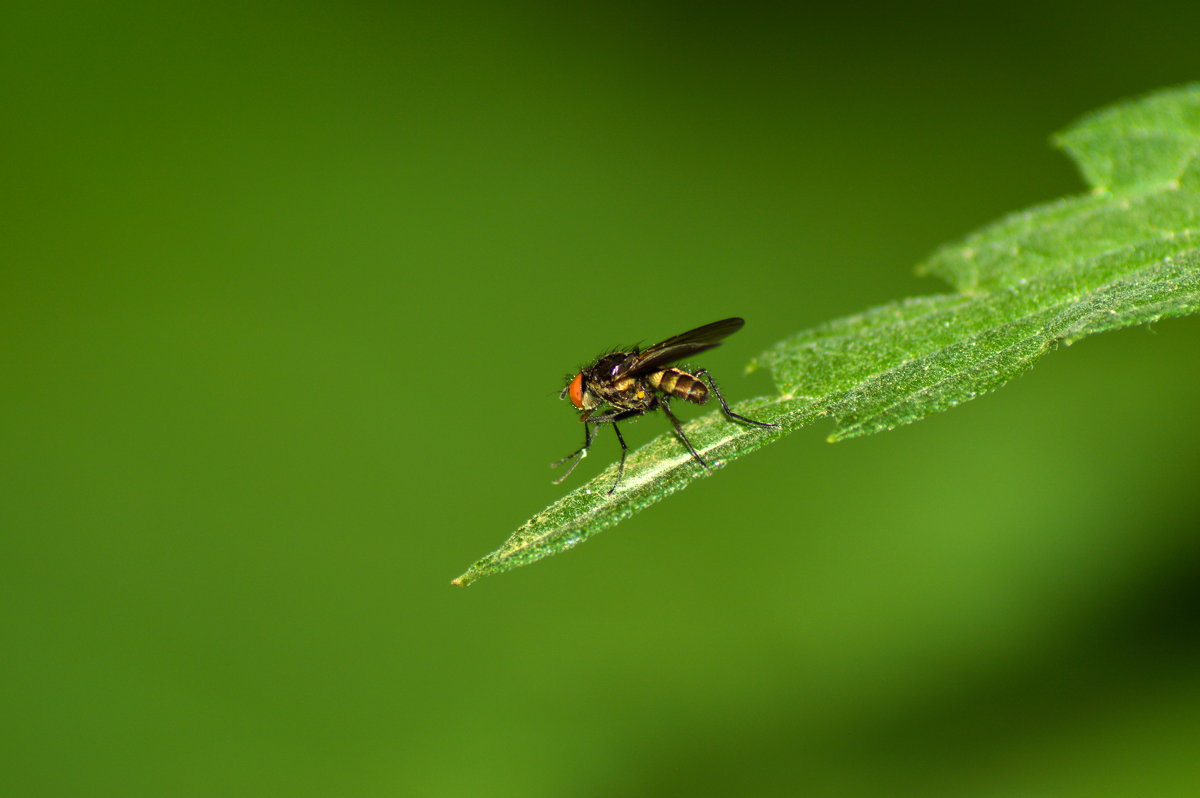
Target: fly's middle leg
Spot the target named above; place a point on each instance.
(621, 465)
(666, 408)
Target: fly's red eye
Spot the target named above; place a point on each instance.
(575, 390)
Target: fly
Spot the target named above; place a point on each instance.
(624, 385)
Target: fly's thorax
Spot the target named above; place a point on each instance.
(626, 393)
(621, 391)
(680, 384)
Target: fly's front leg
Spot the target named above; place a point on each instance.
(725, 405)
(578, 454)
(613, 418)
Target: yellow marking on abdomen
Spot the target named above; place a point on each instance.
(681, 384)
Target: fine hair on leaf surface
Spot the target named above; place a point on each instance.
(1123, 254)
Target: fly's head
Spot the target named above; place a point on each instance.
(580, 393)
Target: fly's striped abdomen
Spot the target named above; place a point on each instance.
(678, 383)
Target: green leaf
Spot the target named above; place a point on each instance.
(1127, 253)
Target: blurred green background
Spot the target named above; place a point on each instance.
(289, 291)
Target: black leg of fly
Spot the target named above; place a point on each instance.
(725, 405)
(611, 418)
(666, 408)
(576, 455)
(621, 465)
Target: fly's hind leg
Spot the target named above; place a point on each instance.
(725, 405)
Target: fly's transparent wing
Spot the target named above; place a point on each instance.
(677, 348)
